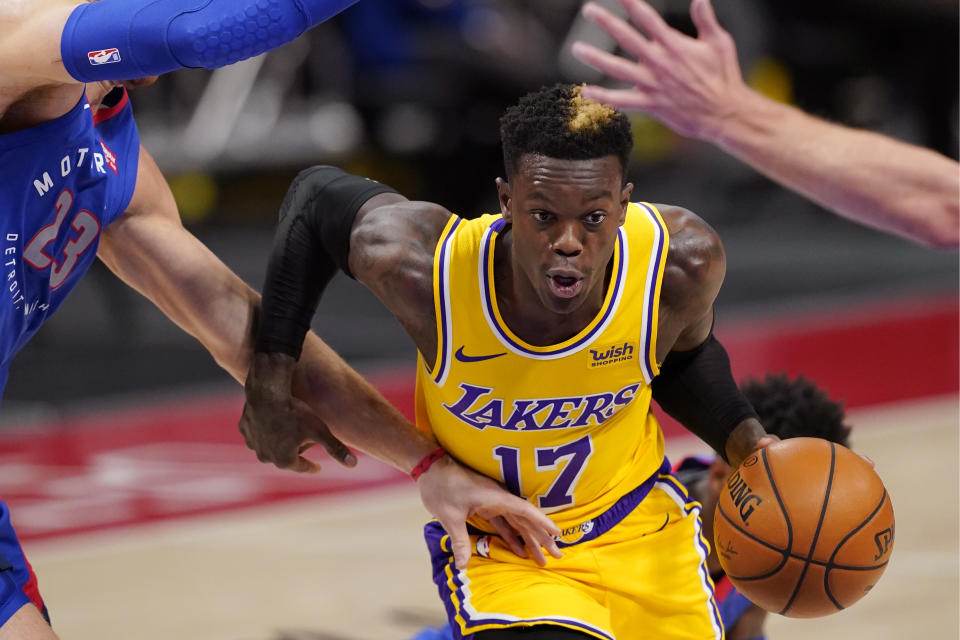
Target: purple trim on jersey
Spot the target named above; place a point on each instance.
(444, 347)
(648, 333)
(485, 254)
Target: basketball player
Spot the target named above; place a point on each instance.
(695, 87)
(788, 409)
(541, 332)
(77, 184)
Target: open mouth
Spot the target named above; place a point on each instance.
(565, 286)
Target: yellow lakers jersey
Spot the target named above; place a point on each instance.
(567, 426)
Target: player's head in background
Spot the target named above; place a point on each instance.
(564, 193)
(788, 408)
(796, 408)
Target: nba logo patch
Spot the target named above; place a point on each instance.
(104, 56)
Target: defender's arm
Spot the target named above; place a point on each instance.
(695, 384)
(695, 86)
(69, 41)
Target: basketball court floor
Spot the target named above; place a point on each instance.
(352, 565)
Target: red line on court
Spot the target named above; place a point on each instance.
(159, 462)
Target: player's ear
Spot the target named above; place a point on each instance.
(625, 194)
(503, 194)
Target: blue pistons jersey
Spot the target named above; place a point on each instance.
(63, 182)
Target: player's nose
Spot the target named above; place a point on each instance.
(567, 242)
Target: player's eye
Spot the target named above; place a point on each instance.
(594, 219)
(541, 216)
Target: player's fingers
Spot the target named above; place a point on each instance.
(305, 465)
(459, 540)
(535, 536)
(320, 434)
(279, 455)
(614, 66)
(626, 99)
(337, 450)
(704, 19)
(647, 18)
(509, 535)
(766, 441)
(631, 40)
(517, 510)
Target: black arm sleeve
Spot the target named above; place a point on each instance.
(697, 389)
(312, 241)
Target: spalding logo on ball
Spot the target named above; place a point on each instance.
(804, 527)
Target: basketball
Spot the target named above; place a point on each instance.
(804, 527)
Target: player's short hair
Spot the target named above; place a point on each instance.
(796, 408)
(557, 122)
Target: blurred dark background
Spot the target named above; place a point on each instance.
(410, 92)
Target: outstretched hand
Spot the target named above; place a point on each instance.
(280, 428)
(690, 84)
(453, 493)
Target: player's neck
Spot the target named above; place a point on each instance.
(523, 312)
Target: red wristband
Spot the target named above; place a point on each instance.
(427, 461)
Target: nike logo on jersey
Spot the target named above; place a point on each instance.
(462, 357)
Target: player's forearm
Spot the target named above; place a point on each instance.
(354, 410)
(202, 297)
(864, 176)
(127, 39)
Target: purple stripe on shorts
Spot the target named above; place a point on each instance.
(434, 533)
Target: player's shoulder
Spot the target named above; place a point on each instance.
(695, 252)
(392, 235)
(389, 218)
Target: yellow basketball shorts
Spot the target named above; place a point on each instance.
(643, 576)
